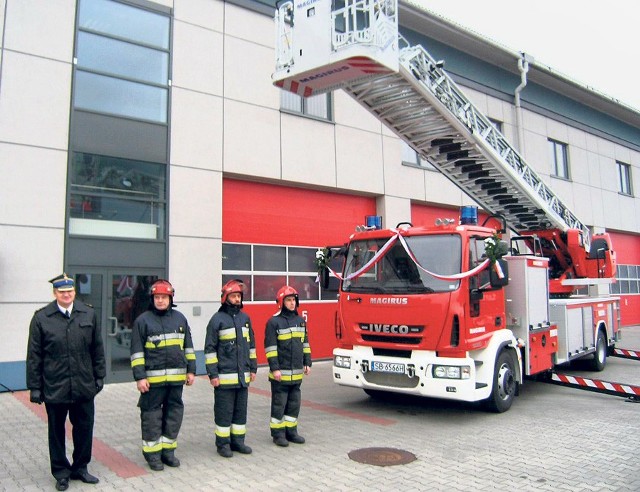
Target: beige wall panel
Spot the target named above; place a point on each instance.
(606, 148)
(308, 151)
(196, 203)
(577, 138)
(197, 59)
(400, 180)
(608, 174)
(359, 160)
(14, 347)
(393, 210)
(537, 152)
(41, 28)
(478, 99)
(348, 112)
(593, 162)
(615, 216)
(622, 154)
(597, 207)
(204, 13)
(194, 271)
(29, 257)
(41, 118)
(252, 26)
(557, 131)
(247, 73)
(251, 140)
(582, 207)
(496, 110)
(534, 123)
(196, 130)
(36, 195)
(440, 190)
(578, 165)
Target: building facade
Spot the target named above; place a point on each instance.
(143, 139)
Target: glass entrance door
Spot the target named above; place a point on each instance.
(118, 297)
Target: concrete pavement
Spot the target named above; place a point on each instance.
(553, 439)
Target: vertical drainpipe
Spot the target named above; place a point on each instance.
(523, 67)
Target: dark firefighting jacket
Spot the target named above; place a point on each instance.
(230, 348)
(287, 346)
(161, 348)
(65, 356)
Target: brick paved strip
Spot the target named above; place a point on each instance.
(333, 410)
(105, 454)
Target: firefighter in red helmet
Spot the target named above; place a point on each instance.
(289, 355)
(230, 356)
(163, 360)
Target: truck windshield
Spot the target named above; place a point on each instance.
(397, 273)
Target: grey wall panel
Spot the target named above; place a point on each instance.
(101, 252)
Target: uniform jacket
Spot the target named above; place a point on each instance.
(287, 346)
(230, 347)
(161, 348)
(65, 356)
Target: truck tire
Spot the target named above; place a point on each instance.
(599, 360)
(504, 384)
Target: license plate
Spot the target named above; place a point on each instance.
(387, 367)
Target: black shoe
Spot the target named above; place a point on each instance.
(281, 441)
(295, 438)
(241, 448)
(225, 451)
(84, 476)
(170, 460)
(62, 484)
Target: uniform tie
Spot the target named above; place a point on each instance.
(66, 313)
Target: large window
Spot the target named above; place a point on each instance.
(559, 156)
(316, 106)
(116, 197)
(122, 61)
(264, 269)
(410, 156)
(627, 280)
(624, 178)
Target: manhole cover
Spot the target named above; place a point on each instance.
(382, 456)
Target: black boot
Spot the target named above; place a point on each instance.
(168, 458)
(294, 437)
(155, 463)
(225, 451)
(280, 440)
(240, 447)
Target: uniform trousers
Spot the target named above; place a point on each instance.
(161, 412)
(81, 415)
(285, 402)
(230, 414)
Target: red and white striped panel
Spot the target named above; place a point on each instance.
(623, 389)
(295, 87)
(629, 354)
(367, 65)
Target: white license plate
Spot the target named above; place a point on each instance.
(387, 367)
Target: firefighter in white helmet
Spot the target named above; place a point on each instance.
(230, 357)
(163, 360)
(289, 355)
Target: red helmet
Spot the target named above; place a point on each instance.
(162, 286)
(286, 291)
(230, 287)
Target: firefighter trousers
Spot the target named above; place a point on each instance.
(161, 412)
(285, 408)
(230, 415)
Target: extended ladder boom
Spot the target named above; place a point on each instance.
(408, 91)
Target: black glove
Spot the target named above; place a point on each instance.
(99, 385)
(35, 397)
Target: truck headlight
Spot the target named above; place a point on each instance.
(451, 372)
(343, 361)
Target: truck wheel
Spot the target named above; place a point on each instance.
(600, 355)
(504, 384)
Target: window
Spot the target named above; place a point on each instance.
(264, 269)
(627, 280)
(496, 124)
(122, 61)
(316, 106)
(410, 156)
(116, 197)
(624, 178)
(559, 159)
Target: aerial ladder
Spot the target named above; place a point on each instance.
(354, 45)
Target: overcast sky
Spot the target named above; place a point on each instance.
(595, 42)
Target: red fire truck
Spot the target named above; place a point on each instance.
(449, 310)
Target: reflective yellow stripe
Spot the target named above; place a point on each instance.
(137, 362)
(163, 344)
(273, 353)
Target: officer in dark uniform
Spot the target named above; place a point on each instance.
(230, 353)
(289, 355)
(163, 360)
(65, 370)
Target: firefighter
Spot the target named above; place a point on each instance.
(163, 360)
(289, 355)
(230, 353)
